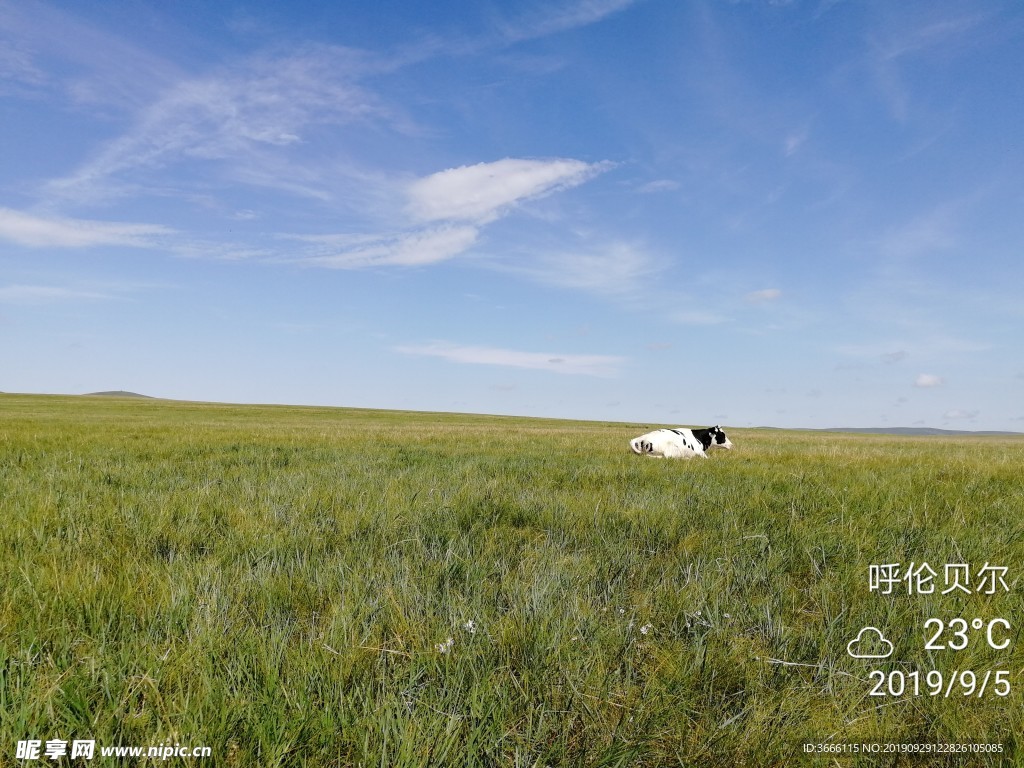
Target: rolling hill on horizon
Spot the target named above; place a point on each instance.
(118, 393)
(908, 431)
(903, 431)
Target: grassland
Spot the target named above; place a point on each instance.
(307, 587)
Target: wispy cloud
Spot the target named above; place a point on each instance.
(40, 40)
(795, 140)
(658, 185)
(697, 317)
(959, 413)
(415, 248)
(485, 191)
(906, 38)
(560, 17)
(554, 362)
(44, 294)
(897, 43)
(924, 234)
(615, 269)
(17, 69)
(930, 346)
(41, 231)
(896, 356)
(262, 104)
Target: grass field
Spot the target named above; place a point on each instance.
(307, 587)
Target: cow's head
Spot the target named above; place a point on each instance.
(718, 438)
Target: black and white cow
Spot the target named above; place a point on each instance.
(680, 443)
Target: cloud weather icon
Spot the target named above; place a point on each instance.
(873, 646)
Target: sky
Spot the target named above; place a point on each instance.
(794, 214)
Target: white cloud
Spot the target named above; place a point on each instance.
(764, 295)
(452, 207)
(40, 231)
(483, 192)
(582, 365)
(927, 380)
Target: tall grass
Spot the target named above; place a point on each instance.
(302, 586)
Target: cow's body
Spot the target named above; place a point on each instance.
(680, 442)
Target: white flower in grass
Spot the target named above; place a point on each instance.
(446, 646)
(646, 629)
(622, 611)
(470, 626)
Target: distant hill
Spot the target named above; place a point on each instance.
(916, 431)
(117, 393)
(912, 431)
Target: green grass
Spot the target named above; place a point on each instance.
(275, 583)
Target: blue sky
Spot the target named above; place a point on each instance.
(800, 214)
